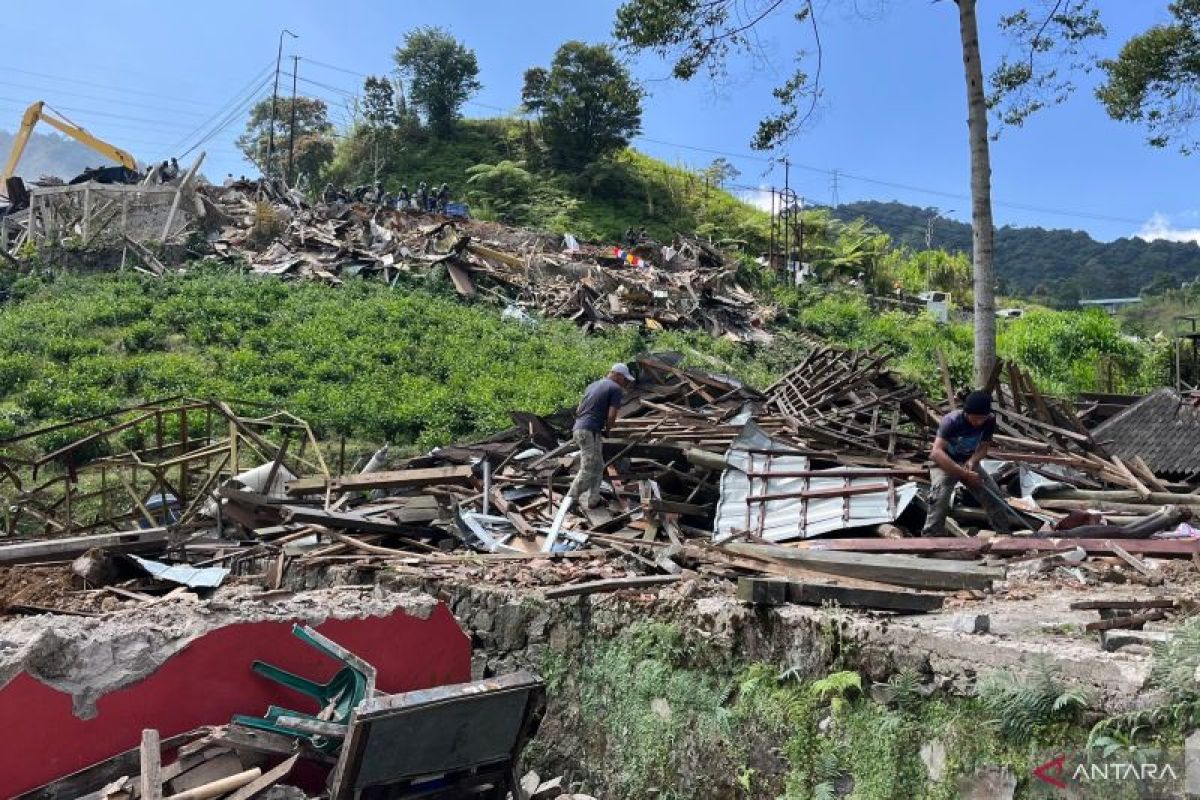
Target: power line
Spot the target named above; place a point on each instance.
(107, 87)
(66, 93)
(250, 89)
(842, 175)
(232, 116)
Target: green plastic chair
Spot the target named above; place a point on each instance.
(353, 683)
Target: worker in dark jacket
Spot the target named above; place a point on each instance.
(443, 198)
(962, 442)
(423, 196)
(596, 412)
(405, 198)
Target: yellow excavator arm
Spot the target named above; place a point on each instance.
(37, 112)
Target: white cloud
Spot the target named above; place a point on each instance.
(1159, 227)
(759, 198)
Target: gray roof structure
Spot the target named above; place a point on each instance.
(1162, 428)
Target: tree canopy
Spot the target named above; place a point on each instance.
(313, 140)
(442, 74)
(1155, 78)
(589, 104)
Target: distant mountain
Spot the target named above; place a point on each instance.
(1058, 265)
(50, 154)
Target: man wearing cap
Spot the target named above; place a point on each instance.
(596, 412)
(962, 442)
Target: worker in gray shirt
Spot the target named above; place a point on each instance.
(596, 412)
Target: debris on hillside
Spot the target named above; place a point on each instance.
(821, 479)
(688, 284)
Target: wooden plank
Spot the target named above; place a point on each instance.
(1096, 605)
(79, 783)
(1130, 621)
(777, 591)
(461, 279)
(342, 520)
(69, 547)
(923, 544)
(762, 591)
(671, 507)
(1159, 548)
(151, 757)
(900, 570)
(265, 781)
(817, 594)
(395, 479)
(1133, 561)
(219, 787)
(1142, 470)
(610, 585)
(947, 384)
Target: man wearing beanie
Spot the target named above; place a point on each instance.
(596, 412)
(962, 442)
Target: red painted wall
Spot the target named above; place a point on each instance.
(208, 682)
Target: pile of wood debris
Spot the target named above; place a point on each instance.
(686, 284)
(818, 481)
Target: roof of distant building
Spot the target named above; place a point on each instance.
(1163, 428)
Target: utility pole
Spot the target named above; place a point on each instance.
(292, 126)
(787, 209)
(833, 190)
(275, 102)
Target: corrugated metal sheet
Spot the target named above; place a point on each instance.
(193, 577)
(794, 518)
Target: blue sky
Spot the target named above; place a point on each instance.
(148, 75)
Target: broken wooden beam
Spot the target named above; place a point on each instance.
(1127, 621)
(898, 570)
(342, 520)
(396, 479)
(610, 585)
(776, 591)
(72, 546)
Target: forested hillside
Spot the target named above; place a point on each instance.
(1056, 265)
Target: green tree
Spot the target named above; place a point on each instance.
(379, 103)
(313, 140)
(720, 172)
(589, 104)
(704, 35)
(442, 73)
(1155, 78)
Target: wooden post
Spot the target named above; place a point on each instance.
(183, 184)
(124, 227)
(87, 210)
(183, 449)
(151, 756)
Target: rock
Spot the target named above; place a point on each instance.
(988, 783)
(283, 793)
(109, 603)
(971, 623)
(530, 782)
(933, 756)
(548, 790)
(1123, 640)
(97, 567)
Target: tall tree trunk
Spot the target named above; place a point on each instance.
(981, 196)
